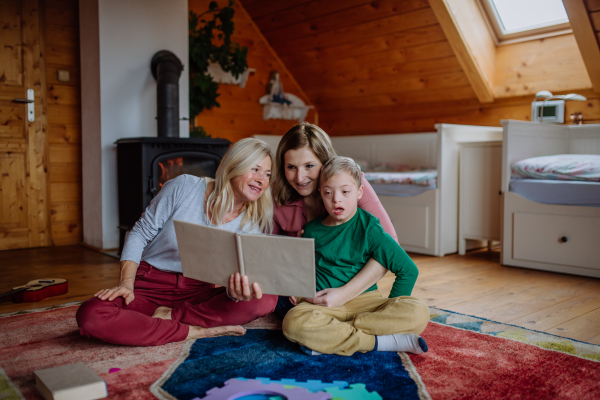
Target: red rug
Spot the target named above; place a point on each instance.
(468, 358)
(464, 364)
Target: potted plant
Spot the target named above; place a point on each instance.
(210, 45)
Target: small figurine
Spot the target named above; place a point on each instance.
(577, 118)
(279, 105)
(275, 90)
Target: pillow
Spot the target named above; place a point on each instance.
(394, 167)
(568, 167)
(363, 164)
(426, 177)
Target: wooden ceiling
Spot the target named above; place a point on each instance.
(353, 53)
(387, 66)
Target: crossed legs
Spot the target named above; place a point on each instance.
(195, 306)
(353, 327)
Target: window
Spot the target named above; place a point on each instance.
(519, 20)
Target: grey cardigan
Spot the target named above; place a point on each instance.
(153, 239)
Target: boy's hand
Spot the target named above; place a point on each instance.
(300, 233)
(239, 288)
(293, 300)
(332, 297)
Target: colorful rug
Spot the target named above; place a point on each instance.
(206, 364)
(469, 358)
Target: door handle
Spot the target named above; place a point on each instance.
(30, 104)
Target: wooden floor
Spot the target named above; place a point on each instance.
(86, 270)
(474, 284)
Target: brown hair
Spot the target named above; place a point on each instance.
(341, 164)
(301, 135)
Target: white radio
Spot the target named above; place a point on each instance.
(548, 111)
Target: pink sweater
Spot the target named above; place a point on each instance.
(291, 218)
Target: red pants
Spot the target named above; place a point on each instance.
(193, 302)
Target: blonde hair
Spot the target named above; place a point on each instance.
(301, 135)
(341, 164)
(238, 160)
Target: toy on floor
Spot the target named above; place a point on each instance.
(338, 389)
(311, 385)
(37, 290)
(235, 388)
(357, 391)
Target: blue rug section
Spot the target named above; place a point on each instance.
(267, 353)
(469, 326)
(474, 326)
(441, 319)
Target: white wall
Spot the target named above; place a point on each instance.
(129, 34)
(91, 124)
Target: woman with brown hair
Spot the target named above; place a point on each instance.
(300, 155)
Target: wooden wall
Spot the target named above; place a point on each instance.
(240, 115)
(61, 24)
(385, 66)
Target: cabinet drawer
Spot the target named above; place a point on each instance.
(410, 221)
(539, 238)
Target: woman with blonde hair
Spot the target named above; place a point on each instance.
(154, 303)
(301, 153)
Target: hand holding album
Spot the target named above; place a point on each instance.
(241, 290)
(281, 265)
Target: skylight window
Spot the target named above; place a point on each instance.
(526, 19)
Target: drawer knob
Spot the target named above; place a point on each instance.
(563, 239)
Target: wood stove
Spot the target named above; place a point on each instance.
(145, 164)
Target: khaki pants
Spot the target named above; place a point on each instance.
(352, 327)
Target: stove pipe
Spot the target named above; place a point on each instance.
(166, 69)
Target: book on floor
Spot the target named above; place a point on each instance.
(70, 382)
(281, 265)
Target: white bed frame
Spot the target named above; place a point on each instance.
(533, 232)
(427, 223)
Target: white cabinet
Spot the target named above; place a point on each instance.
(548, 237)
(479, 193)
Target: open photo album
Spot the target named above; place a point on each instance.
(281, 265)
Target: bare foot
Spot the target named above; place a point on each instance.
(198, 332)
(162, 313)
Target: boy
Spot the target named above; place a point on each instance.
(344, 241)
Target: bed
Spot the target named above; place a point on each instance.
(549, 224)
(424, 217)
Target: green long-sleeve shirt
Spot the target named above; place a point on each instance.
(341, 251)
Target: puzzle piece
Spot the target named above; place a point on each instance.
(357, 391)
(311, 385)
(235, 388)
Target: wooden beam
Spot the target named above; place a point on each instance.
(473, 64)
(586, 39)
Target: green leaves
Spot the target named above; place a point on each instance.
(204, 93)
(198, 132)
(210, 42)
